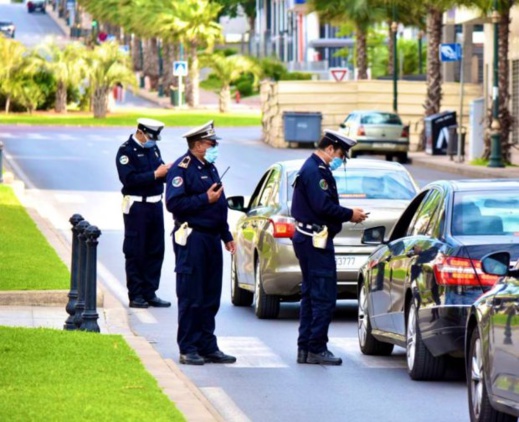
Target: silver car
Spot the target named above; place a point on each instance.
(377, 132)
(265, 270)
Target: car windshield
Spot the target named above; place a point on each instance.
(485, 213)
(369, 183)
(380, 119)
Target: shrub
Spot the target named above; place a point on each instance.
(245, 87)
(296, 76)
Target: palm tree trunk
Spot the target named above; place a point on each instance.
(100, 102)
(362, 59)
(390, 42)
(192, 86)
(7, 104)
(151, 63)
(61, 98)
(224, 98)
(136, 53)
(505, 118)
(169, 54)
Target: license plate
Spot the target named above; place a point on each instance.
(349, 262)
(386, 145)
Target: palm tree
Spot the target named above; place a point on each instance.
(108, 65)
(11, 59)
(228, 69)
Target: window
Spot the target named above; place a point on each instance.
(270, 190)
(420, 224)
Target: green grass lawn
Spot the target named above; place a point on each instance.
(171, 118)
(52, 375)
(27, 261)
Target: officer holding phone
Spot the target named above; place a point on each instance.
(319, 217)
(195, 197)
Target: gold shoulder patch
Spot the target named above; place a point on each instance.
(185, 162)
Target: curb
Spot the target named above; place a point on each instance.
(40, 298)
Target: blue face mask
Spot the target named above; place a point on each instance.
(335, 163)
(211, 154)
(149, 144)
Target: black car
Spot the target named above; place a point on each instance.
(492, 345)
(417, 288)
(7, 28)
(36, 5)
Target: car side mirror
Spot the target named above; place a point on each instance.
(237, 203)
(496, 263)
(373, 235)
(342, 125)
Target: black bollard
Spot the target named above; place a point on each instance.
(72, 295)
(90, 315)
(82, 261)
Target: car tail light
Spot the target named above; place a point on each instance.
(454, 271)
(361, 131)
(283, 227)
(29, 4)
(405, 132)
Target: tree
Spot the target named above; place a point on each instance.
(11, 59)
(231, 8)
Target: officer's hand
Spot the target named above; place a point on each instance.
(162, 170)
(358, 215)
(231, 246)
(214, 195)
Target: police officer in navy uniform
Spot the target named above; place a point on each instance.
(143, 174)
(315, 207)
(194, 195)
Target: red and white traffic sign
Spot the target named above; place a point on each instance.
(339, 73)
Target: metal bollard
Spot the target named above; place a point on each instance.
(82, 261)
(90, 316)
(1, 170)
(72, 295)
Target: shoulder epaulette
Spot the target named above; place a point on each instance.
(185, 162)
(124, 145)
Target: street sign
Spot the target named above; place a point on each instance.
(180, 68)
(339, 73)
(450, 52)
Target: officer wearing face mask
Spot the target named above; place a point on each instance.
(143, 174)
(319, 217)
(194, 195)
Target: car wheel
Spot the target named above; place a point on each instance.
(369, 345)
(479, 403)
(421, 364)
(402, 158)
(239, 296)
(265, 306)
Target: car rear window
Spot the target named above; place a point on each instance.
(369, 183)
(485, 213)
(380, 119)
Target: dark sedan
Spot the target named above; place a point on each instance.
(417, 287)
(492, 345)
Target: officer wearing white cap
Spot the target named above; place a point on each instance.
(143, 174)
(319, 217)
(195, 196)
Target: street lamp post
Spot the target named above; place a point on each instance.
(496, 159)
(394, 29)
(420, 60)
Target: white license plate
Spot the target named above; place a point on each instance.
(349, 262)
(386, 145)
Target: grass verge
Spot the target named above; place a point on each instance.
(51, 375)
(171, 118)
(27, 261)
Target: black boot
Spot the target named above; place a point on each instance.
(323, 358)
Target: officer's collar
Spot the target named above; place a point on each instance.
(137, 141)
(319, 159)
(198, 160)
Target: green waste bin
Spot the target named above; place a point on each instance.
(174, 97)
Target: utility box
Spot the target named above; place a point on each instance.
(302, 126)
(437, 132)
(452, 145)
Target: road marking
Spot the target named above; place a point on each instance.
(69, 198)
(31, 135)
(66, 137)
(350, 347)
(6, 135)
(224, 404)
(250, 352)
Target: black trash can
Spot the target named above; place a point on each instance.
(173, 97)
(437, 132)
(452, 146)
(302, 126)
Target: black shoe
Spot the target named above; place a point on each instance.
(302, 355)
(138, 302)
(323, 358)
(157, 302)
(191, 359)
(218, 357)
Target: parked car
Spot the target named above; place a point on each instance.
(417, 287)
(265, 270)
(36, 5)
(377, 132)
(492, 345)
(7, 28)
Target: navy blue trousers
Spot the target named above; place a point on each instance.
(318, 292)
(199, 268)
(143, 248)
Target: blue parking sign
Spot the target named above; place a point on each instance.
(450, 52)
(180, 68)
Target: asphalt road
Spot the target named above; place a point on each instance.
(72, 170)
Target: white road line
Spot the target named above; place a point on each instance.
(69, 198)
(6, 135)
(66, 137)
(31, 135)
(350, 347)
(250, 352)
(224, 404)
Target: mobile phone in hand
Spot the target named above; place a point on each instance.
(218, 186)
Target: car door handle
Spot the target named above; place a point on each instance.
(410, 254)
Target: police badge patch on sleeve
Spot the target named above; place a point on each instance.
(177, 182)
(323, 184)
(124, 159)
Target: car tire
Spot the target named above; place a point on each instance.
(402, 158)
(479, 404)
(421, 364)
(368, 344)
(265, 306)
(239, 296)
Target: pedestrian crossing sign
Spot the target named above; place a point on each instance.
(180, 68)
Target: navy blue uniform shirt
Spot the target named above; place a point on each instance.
(188, 181)
(136, 166)
(315, 199)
